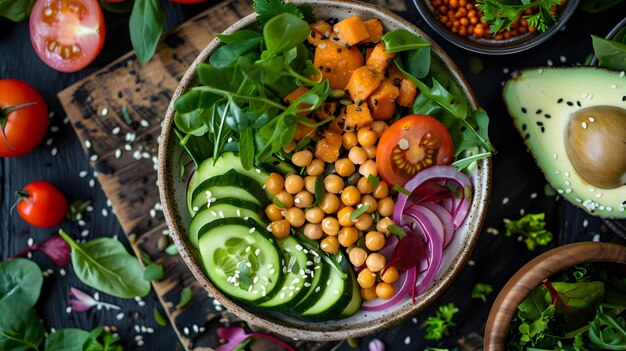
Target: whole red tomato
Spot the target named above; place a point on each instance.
(41, 204)
(24, 127)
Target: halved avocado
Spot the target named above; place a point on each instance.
(573, 120)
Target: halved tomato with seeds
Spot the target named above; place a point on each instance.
(67, 34)
(411, 144)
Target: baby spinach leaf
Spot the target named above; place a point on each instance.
(16, 10)
(282, 33)
(22, 332)
(268, 9)
(239, 36)
(152, 272)
(104, 264)
(68, 339)
(20, 285)
(611, 54)
(146, 25)
(192, 122)
(417, 62)
(158, 317)
(402, 40)
(227, 55)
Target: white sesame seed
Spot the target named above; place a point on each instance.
(105, 213)
(599, 195)
(505, 200)
(92, 183)
(49, 141)
(127, 147)
(614, 86)
(540, 71)
(407, 340)
(567, 174)
(115, 130)
(144, 123)
(622, 74)
(68, 309)
(87, 143)
(54, 129)
(505, 70)
(533, 195)
(54, 151)
(336, 292)
(84, 233)
(555, 156)
(584, 125)
(93, 158)
(591, 119)
(567, 182)
(550, 63)
(568, 191)
(562, 58)
(119, 316)
(186, 331)
(104, 112)
(257, 252)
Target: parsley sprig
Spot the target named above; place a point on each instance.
(439, 325)
(501, 14)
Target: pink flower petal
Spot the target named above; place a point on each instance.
(233, 335)
(376, 345)
(82, 301)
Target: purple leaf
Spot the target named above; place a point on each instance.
(55, 248)
(376, 345)
(236, 335)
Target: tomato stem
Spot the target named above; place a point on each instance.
(4, 114)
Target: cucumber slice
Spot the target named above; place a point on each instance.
(231, 184)
(223, 208)
(274, 164)
(240, 259)
(355, 303)
(209, 169)
(295, 261)
(320, 271)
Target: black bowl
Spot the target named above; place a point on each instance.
(492, 46)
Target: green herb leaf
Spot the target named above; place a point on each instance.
(532, 229)
(239, 36)
(16, 10)
(146, 25)
(77, 208)
(320, 189)
(402, 40)
(611, 54)
(481, 291)
(374, 180)
(268, 9)
(171, 250)
(399, 188)
(359, 211)
(104, 264)
(153, 272)
(227, 55)
(396, 230)
(246, 148)
(67, 339)
(282, 33)
(22, 331)
(439, 325)
(160, 320)
(278, 203)
(185, 297)
(606, 331)
(20, 285)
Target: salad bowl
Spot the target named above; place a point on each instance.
(172, 188)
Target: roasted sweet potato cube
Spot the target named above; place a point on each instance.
(328, 147)
(379, 60)
(337, 62)
(289, 99)
(357, 116)
(382, 102)
(374, 29)
(362, 83)
(303, 131)
(351, 30)
(322, 27)
(327, 110)
(408, 90)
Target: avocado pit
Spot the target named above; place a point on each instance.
(595, 142)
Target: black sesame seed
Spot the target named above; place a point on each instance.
(321, 67)
(547, 116)
(375, 102)
(312, 34)
(569, 103)
(559, 101)
(527, 136)
(358, 109)
(348, 128)
(624, 98)
(327, 70)
(578, 103)
(324, 37)
(543, 129)
(360, 103)
(336, 39)
(524, 127)
(347, 46)
(463, 129)
(389, 60)
(339, 50)
(539, 123)
(341, 124)
(119, 94)
(539, 112)
(523, 109)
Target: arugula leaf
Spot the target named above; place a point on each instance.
(23, 331)
(239, 36)
(16, 10)
(439, 325)
(611, 54)
(531, 228)
(104, 264)
(146, 25)
(480, 291)
(198, 148)
(608, 332)
(268, 9)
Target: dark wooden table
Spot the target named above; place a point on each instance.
(518, 185)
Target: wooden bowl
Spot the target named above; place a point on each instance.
(172, 191)
(532, 274)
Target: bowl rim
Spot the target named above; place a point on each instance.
(256, 317)
(532, 274)
(429, 17)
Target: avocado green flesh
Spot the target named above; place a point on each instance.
(541, 102)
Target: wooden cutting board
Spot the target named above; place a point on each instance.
(116, 113)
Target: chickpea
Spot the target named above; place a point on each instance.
(330, 226)
(363, 221)
(390, 275)
(385, 206)
(285, 198)
(280, 229)
(314, 215)
(379, 127)
(344, 167)
(309, 184)
(348, 236)
(333, 183)
(350, 196)
(350, 140)
(295, 216)
(371, 201)
(364, 186)
(357, 256)
(366, 278)
(329, 244)
(370, 151)
(367, 137)
(294, 183)
(382, 225)
(316, 167)
(368, 294)
(357, 155)
(273, 212)
(343, 216)
(375, 262)
(313, 231)
(374, 240)
(274, 183)
(385, 291)
(290, 147)
(367, 168)
(302, 158)
(381, 191)
(329, 203)
(303, 199)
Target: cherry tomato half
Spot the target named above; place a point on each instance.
(67, 34)
(411, 144)
(187, 1)
(26, 126)
(41, 204)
